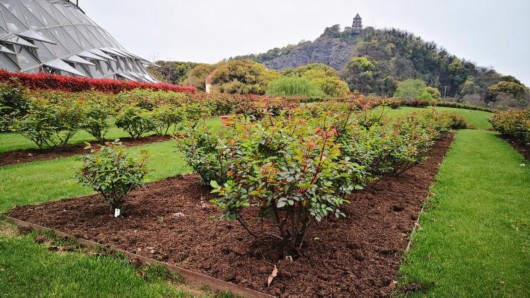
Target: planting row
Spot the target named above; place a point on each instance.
(514, 124)
(294, 168)
(78, 84)
(51, 118)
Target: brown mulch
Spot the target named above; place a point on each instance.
(30, 155)
(517, 146)
(173, 221)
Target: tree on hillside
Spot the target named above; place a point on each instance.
(469, 87)
(173, 72)
(359, 74)
(326, 77)
(508, 89)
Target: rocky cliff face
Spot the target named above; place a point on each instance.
(330, 51)
(333, 48)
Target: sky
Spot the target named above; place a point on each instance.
(491, 33)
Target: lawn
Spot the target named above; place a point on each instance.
(28, 269)
(478, 118)
(474, 239)
(15, 141)
(37, 182)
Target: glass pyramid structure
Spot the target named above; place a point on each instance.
(56, 36)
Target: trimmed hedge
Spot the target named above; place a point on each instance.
(79, 84)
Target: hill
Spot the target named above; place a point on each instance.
(393, 56)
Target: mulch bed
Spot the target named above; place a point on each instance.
(173, 221)
(30, 155)
(525, 152)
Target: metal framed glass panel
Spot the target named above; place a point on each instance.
(57, 36)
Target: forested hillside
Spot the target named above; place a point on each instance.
(375, 61)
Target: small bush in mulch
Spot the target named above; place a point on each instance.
(113, 173)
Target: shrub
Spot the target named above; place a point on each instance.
(294, 85)
(135, 121)
(410, 89)
(164, 117)
(79, 84)
(194, 112)
(14, 103)
(297, 167)
(202, 152)
(149, 99)
(96, 121)
(112, 172)
(290, 168)
(514, 124)
(457, 121)
(458, 105)
(51, 124)
(415, 103)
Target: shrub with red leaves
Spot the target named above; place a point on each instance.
(78, 84)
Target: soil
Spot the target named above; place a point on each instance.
(173, 221)
(30, 155)
(524, 150)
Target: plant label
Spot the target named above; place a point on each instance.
(117, 212)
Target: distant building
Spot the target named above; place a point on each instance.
(56, 36)
(357, 26)
(208, 82)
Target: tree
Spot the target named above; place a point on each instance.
(434, 92)
(325, 77)
(294, 85)
(197, 76)
(359, 74)
(173, 72)
(469, 87)
(411, 89)
(516, 90)
(242, 77)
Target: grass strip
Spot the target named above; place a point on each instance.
(474, 239)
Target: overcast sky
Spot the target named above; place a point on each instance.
(489, 32)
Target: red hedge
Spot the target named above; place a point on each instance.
(78, 84)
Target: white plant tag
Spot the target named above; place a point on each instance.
(117, 212)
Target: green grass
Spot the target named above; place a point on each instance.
(15, 141)
(30, 270)
(37, 182)
(478, 118)
(475, 241)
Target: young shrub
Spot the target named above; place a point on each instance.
(195, 112)
(112, 172)
(96, 121)
(164, 117)
(291, 170)
(135, 121)
(14, 103)
(51, 123)
(202, 152)
(458, 121)
(514, 124)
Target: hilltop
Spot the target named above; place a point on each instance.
(392, 56)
